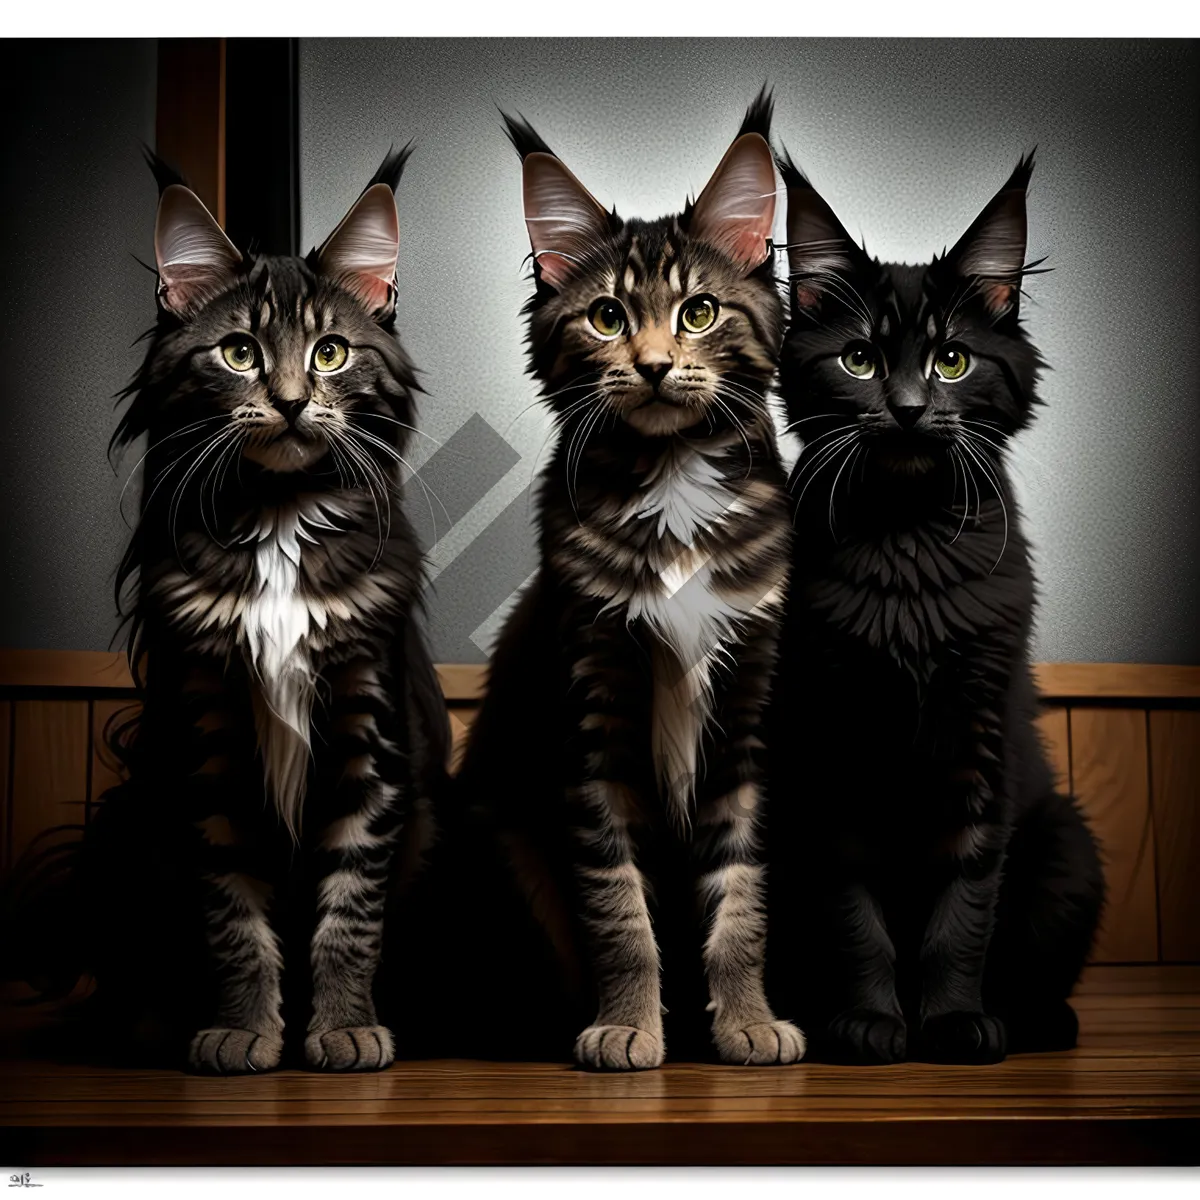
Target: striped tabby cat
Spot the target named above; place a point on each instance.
(618, 748)
(290, 708)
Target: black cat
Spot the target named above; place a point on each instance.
(931, 895)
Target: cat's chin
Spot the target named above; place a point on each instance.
(658, 418)
(287, 454)
(907, 458)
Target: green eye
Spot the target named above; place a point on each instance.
(330, 354)
(239, 354)
(698, 314)
(951, 363)
(607, 317)
(859, 360)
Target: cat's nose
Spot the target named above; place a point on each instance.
(907, 406)
(653, 370)
(290, 408)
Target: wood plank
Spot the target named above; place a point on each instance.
(63, 669)
(1141, 681)
(1110, 772)
(190, 127)
(50, 761)
(5, 780)
(1054, 725)
(106, 770)
(1175, 802)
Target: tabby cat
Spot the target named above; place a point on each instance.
(932, 894)
(291, 723)
(618, 750)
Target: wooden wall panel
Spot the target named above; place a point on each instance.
(1175, 800)
(5, 764)
(105, 768)
(1110, 771)
(1056, 735)
(49, 769)
(190, 124)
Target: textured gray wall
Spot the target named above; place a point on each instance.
(907, 140)
(76, 202)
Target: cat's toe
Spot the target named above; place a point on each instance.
(222, 1051)
(862, 1036)
(964, 1037)
(618, 1048)
(762, 1044)
(355, 1048)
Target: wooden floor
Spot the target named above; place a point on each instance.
(1129, 1094)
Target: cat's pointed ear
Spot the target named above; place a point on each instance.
(736, 210)
(196, 261)
(992, 251)
(818, 246)
(360, 254)
(564, 219)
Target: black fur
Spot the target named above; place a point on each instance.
(931, 894)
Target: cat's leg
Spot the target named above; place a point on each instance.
(954, 1026)
(627, 1033)
(870, 1028)
(732, 895)
(367, 771)
(247, 1032)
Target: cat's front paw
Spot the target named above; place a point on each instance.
(863, 1036)
(762, 1044)
(355, 1048)
(618, 1048)
(964, 1037)
(234, 1051)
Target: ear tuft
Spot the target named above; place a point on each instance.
(360, 254)
(196, 261)
(563, 218)
(736, 210)
(992, 251)
(818, 245)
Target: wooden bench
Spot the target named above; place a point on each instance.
(1124, 738)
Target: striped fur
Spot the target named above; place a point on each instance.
(646, 642)
(290, 714)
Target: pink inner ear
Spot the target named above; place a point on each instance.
(195, 259)
(997, 296)
(361, 252)
(563, 218)
(736, 210)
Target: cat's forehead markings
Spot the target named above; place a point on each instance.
(675, 277)
(630, 278)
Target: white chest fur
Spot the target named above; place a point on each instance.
(695, 622)
(276, 619)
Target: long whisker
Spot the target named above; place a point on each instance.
(995, 482)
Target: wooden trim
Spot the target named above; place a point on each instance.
(105, 669)
(464, 683)
(1118, 681)
(190, 123)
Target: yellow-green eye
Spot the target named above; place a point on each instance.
(951, 363)
(698, 314)
(858, 360)
(607, 317)
(239, 354)
(330, 354)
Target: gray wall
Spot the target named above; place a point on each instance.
(76, 203)
(907, 141)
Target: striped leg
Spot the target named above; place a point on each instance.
(627, 1033)
(732, 893)
(247, 1034)
(356, 851)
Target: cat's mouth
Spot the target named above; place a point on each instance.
(658, 414)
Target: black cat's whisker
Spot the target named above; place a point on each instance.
(994, 481)
(954, 460)
(842, 448)
(833, 487)
(824, 457)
